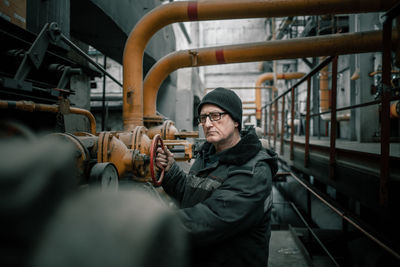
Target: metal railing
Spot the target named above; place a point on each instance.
(344, 214)
(271, 109)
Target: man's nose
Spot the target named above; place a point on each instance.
(208, 122)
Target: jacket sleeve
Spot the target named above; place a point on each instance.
(174, 182)
(235, 206)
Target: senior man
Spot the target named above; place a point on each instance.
(225, 199)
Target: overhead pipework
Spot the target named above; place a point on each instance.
(212, 10)
(335, 44)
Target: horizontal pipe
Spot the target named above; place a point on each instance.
(213, 10)
(335, 44)
(302, 80)
(31, 107)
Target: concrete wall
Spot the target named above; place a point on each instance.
(228, 32)
(189, 84)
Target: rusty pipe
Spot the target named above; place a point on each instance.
(325, 96)
(268, 76)
(31, 107)
(212, 10)
(372, 74)
(126, 160)
(168, 131)
(324, 92)
(335, 44)
(395, 109)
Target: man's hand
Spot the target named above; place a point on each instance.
(164, 159)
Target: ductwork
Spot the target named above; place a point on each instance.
(212, 10)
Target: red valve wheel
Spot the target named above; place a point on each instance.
(156, 143)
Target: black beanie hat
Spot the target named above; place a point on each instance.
(225, 99)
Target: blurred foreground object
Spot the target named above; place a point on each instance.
(49, 219)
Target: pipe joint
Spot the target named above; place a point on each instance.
(193, 54)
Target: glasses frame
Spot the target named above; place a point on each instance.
(209, 116)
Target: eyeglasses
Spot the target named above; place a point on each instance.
(213, 116)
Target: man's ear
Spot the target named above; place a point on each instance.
(236, 124)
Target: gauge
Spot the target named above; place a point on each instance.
(104, 175)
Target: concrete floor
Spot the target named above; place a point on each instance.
(283, 251)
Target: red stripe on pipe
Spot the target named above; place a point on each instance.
(192, 11)
(219, 55)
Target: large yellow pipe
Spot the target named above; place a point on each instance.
(336, 44)
(212, 10)
(324, 92)
(268, 76)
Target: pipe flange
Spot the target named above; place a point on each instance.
(102, 151)
(137, 134)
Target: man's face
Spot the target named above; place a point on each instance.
(217, 131)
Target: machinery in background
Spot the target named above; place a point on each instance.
(38, 95)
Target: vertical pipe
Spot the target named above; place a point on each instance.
(307, 143)
(270, 124)
(258, 105)
(282, 124)
(332, 153)
(385, 113)
(265, 121)
(292, 126)
(275, 123)
(324, 99)
(103, 106)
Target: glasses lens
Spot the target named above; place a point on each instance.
(202, 118)
(215, 116)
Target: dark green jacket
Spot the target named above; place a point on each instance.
(225, 205)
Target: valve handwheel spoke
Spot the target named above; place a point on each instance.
(156, 143)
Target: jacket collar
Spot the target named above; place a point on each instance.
(248, 146)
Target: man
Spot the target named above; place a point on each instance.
(225, 199)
